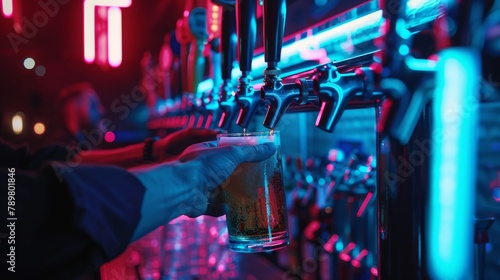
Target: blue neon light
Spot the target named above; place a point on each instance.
(453, 165)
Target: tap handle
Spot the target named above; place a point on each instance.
(197, 21)
(228, 46)
(246, 22)
(183, 36)
(274, 27)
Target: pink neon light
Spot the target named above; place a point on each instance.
(192, 119)
(345, 257)
(89, 24)
(364, 204)
(374, 271)
(344, 254)
(209, 121)
(109, 136)
(7, 8)
(200, 121)
(330, 244)
(114, 36)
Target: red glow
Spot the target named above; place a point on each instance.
(356, 263)
(109, 137)
(374, 271)
(364, 204)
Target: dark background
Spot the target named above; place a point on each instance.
(58, 46)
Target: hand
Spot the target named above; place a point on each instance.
(184, 186)
(173, 144)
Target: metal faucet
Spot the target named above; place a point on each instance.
(335, 90)
(279, 97)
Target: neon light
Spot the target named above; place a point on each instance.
(88, 31)
(364, 204)
(369, 23)
(369, 20)
(89, 27)
(453, 165)
(114, 36)
(7, 8)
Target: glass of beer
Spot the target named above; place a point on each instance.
(255, 195)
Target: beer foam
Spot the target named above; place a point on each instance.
(247, 140)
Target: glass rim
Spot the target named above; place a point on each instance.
(248, 134)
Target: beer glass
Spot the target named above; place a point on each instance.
(255, 195)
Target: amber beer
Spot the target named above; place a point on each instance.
(257, 218)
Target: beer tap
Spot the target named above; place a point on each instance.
(277, 95)
(227, 104)
(247, 99)
(192, 34)
(336, 90)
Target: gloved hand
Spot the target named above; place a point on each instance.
(184, 186)
(173, 144)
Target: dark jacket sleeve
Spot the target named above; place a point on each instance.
(69, 220)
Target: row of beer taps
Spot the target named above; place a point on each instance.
(392, 80)
(390, 76)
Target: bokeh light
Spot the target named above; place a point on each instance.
(40, 71)
(29, 63)
(17, 123)
(109, 136)
(39, 128)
